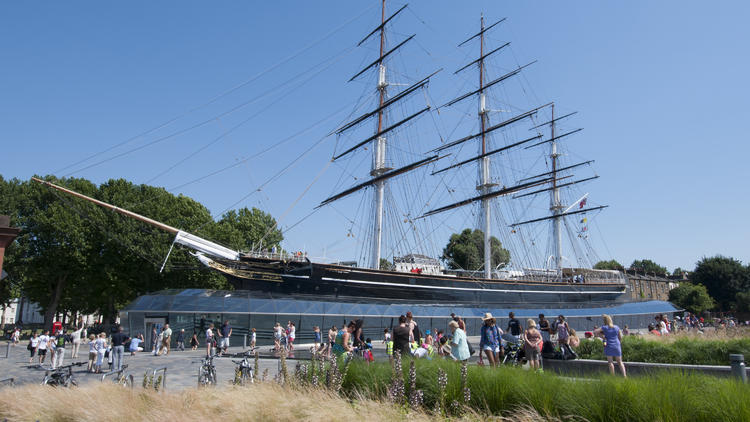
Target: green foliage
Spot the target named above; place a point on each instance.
(648, 266)
(72, 255)
(692, 297)
(466, 251)
(742, 301)
(724, 279)
(681, 351)
(678, 272)
(385, 264)
(246, 229)
(609, 265)
(504, 390)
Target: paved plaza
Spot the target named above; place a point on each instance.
(182, 367)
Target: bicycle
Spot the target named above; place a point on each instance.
(244, 370)
(62, 376)
(207, 372)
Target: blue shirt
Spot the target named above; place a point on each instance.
(134, 344)
(461, 349)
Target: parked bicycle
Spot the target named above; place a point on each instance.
(244, 371)
(61, 376)
(207, 372)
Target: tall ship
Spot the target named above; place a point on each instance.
(497, 137)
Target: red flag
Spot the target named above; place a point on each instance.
(582, 203)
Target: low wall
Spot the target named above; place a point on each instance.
(583, 367)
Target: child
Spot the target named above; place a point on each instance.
(194, 341)
(445, 348)
(92, 353)
(367, 353)
(428, 339)
(316, 339)
(252, 339)
(386, 336)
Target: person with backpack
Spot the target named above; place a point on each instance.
(514, 326)
(489, 340)
(60, 340)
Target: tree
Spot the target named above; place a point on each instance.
(609, 265)
(691, 297)
(246, 229)
(466, 251)
(724, 279)
(678, 272)
(648, 266)
(385, 264)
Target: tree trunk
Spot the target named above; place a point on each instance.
(51, 310)
(2, 318)
(19, 312)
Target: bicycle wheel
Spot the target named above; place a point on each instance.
(202, 377)
(72, 382)
(212, 376)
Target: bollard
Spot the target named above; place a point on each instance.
(244, 342)
(7, 350)
(738, 367)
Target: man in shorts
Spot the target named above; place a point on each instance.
(41, 349)
(224, 333)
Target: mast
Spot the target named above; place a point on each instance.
(555, 206)
(484, 181)
(378, 153)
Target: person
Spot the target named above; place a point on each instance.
(428, 340)
(210, 340)
(41, 349)
(135, 344)
(61, 339)
(532, 342)
(101, 348)
(317, 338)
(92, 354)
(573, 340)
(166, 339)
(459, 320)
(291, 334)
(386, 336)
(154, 341)
(514, 326)
(357, 337)
(331, 339)
(401, 337)
(16, 337)
(652, 330)
(181, 340)
(489, 340)
(459, 347)
(612, 348)
(661, 325)
(367, 351)
(343, 342)
(543, 327)
(76, 340)
(563, 332)
(33, 344)
(224, 334)
(277, 333)
(194, 341)
(253, 338)
(414, 333)
(118, 348)
(626, 331)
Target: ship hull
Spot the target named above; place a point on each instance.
(340, 283)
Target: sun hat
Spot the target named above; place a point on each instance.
(487, 316)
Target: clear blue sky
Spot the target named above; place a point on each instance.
(661, 89)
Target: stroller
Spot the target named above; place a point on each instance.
(513, 350)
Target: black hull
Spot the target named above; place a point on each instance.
(338, 283)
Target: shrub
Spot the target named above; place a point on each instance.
(680, 350)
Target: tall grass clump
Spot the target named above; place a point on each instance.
(678, 350)
(502, 391)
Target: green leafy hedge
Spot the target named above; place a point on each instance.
(681, 351)
(502, 391)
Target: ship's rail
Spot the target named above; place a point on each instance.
(298, 256)
(572, 276)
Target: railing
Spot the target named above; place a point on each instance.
(156, 383)
(282, 256)
(118, 372)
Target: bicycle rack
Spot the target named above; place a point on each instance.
(163, 378)
(10, 382)
(119, 374)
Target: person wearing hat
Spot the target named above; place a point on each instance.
(489, 340)
(459, 346)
